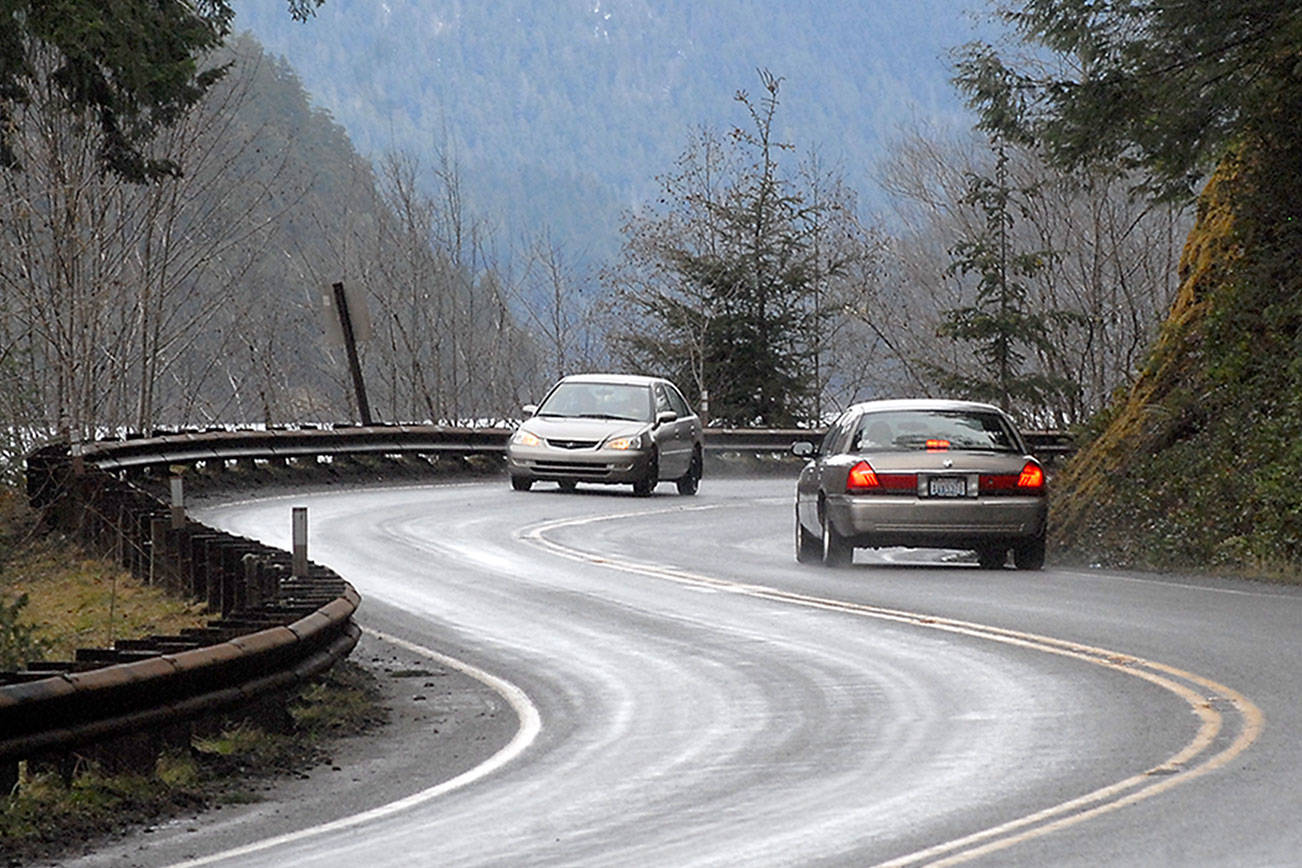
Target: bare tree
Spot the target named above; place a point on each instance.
(1112, 268)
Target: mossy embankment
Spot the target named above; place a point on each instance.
(1199, 464)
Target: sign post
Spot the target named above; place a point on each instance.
(354, 325)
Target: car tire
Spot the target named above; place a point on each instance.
(567, 484)
(1030, 554)
(521, 483)
(836, 550)
(992, 559)
(690, 481)
(644, 486)
(808, 549)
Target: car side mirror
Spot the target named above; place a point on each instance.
(530, 409)
(665, 416)
(804, 449)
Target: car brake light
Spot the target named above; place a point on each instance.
(861, 478)
(1032, 476)
(937, 445)
(1029, 481)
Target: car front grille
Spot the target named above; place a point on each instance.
(571, 468)
(573, 444)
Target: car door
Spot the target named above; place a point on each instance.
(811, 477)
(690, 430)
(675, 448)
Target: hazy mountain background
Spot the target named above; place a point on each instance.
(560, 114)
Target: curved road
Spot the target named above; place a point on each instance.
(691, 696)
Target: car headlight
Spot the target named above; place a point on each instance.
(636, 441)
(525, 438)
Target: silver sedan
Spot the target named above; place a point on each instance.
(608, 428)
(921, 473)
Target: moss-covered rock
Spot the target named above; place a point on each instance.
(1200, 462)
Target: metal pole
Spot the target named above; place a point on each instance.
(300, 541)
(350, 345)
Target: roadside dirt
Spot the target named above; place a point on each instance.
(441, 723)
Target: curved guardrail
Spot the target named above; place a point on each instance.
(271, 628)
(187, 447)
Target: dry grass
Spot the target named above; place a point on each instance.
(75, 600)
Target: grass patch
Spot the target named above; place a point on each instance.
(74, 600)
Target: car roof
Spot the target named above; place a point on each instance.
(614, 379)
(920, 404)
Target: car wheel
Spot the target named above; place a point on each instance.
(808, 550)
(521, 483)
(644, 486)
(567, 484)
(837, 551)
(1029, 555)
(992, 559)
(690, 481)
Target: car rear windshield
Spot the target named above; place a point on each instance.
(598, 401)
(907, 430)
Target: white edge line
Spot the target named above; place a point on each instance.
(530, 726)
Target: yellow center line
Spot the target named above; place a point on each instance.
(1192, 760)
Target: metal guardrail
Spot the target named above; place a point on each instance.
(272, 629)
(188, 447)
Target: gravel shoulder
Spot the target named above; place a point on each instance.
(442, 723)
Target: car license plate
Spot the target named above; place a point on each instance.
(947, 486)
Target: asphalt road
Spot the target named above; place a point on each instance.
(671, 688)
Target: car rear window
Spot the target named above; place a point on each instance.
(598, 401)
(907, 430)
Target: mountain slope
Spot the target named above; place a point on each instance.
(562, 113)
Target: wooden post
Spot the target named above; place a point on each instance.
(350, 345)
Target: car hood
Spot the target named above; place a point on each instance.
(572, 428)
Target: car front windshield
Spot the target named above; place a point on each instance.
(908, 430)
(599, 401)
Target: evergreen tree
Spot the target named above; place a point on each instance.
(134, 66)
(720, 286)
(1002, 324)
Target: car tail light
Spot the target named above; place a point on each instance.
(861, 478)
(1029, 481)
(1032, 476)
(937, 445)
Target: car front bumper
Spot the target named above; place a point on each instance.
(577, 465)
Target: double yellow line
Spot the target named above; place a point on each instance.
(1223, 713)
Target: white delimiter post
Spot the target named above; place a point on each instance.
(178, 503)
(300, 541)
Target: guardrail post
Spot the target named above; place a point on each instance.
(157, 549)
(213, 564)
(251, 589)
(300, 541)
(232, 579)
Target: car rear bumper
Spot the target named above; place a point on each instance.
(937, 522)
(596, 465)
